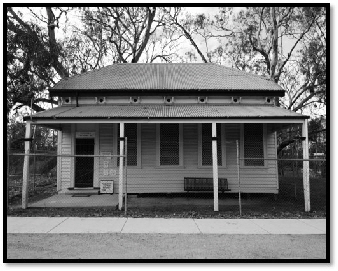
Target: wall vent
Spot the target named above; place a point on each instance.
(202, 100)
(236, 100)
(100, 100)
(169, 100)
(135, 100)
(66, 100)
(269, 100)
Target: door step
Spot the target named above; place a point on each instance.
(82, 191)
(81, 195)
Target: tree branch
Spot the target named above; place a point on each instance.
(146, 35)
(262, 52)
(274, 46)
(300, 105)
(188, 36)
(285, 16)
(293, 47)
(284, 144)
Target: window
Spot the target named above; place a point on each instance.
(207, 144)
(169, 144)
(253, 144)
(130, 131)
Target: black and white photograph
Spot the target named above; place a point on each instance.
(158, 132)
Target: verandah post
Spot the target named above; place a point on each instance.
(215, 165)
(59, 160)
(239, 180)
(25, 180)
(121, 165)
(306, 171)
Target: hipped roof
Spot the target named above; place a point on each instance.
(176, 77)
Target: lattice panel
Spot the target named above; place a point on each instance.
(253, 144)
(207, 145)
(130, 131)
(169, 144)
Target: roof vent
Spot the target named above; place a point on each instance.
(100, 100)
(202, 100)
(66, 100)
(135, 100)
(236, 100)
(169, 100)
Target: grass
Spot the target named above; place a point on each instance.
(289, 204)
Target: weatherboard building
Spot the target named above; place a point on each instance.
(183, 123)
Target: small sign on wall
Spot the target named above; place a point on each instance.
(106, 166)
(107, 187)
(85, 134)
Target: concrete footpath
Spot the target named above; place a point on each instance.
(164, 225)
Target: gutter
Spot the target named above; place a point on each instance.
(173, 118)
(161, 92)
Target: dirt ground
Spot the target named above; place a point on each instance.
(164, 246)
(289, 204)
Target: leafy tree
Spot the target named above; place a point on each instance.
(43, 138)
(287, 44)
(128, 29)
(201, 31)
(36, 58)
(33, 59)
(260, 38)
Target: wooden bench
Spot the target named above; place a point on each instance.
(204, 184)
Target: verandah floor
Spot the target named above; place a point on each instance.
(142, 201)
(62, 200)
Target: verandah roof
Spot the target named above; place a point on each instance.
(168, 112)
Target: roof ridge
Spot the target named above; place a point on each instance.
(178, 63)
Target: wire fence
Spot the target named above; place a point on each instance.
(42, 176)
(65, 180)
(77, 181)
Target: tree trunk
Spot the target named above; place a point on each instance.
(274, 45)
(53, 46)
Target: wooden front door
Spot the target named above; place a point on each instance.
(84, 166)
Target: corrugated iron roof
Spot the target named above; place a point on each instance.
(168, 76)
(167, 112)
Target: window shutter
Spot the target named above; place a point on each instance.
(253, 144)
(169, 144)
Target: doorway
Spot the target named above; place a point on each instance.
(84, 166)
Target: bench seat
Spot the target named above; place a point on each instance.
(204, 184)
